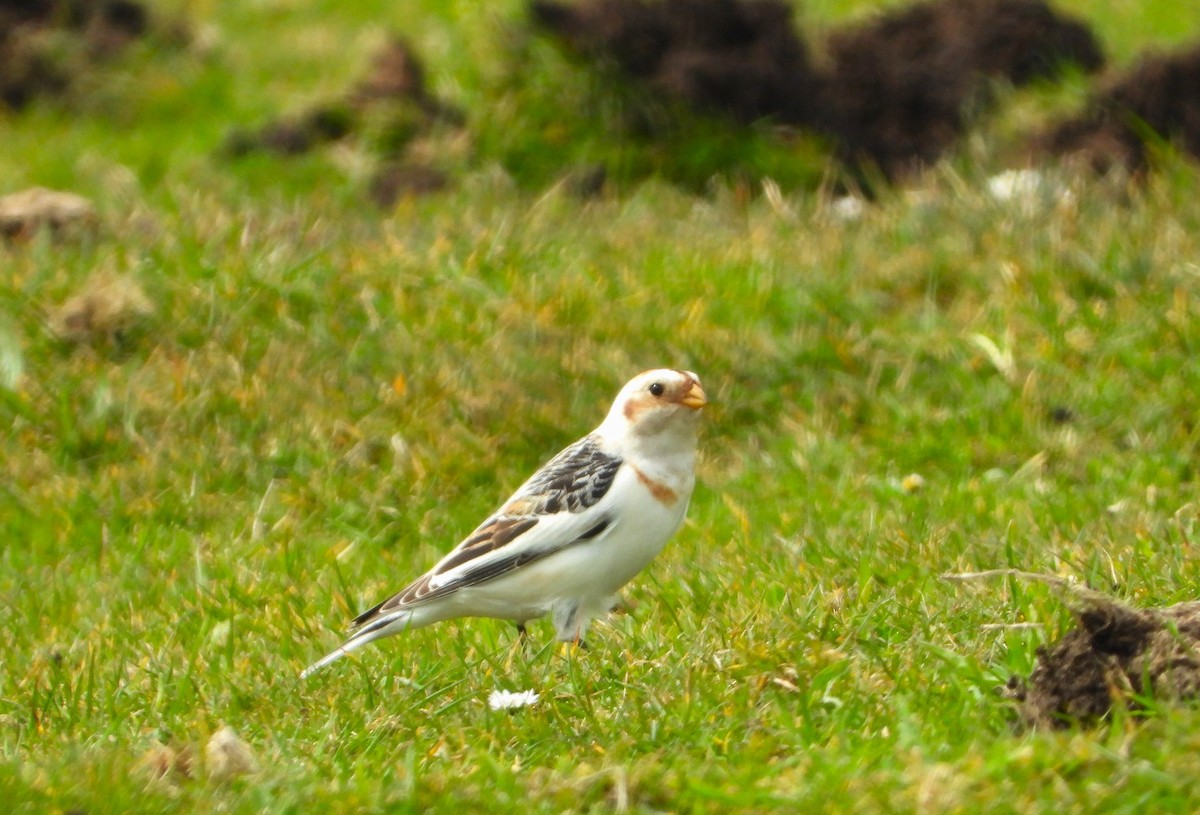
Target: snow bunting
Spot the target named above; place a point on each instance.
(573, 534)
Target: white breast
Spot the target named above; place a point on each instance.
(593, 570)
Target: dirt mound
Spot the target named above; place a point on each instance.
(291, 135)
(1114, 655)
(44, 44)
(390, 111)
(740, 57)
(897, 92)
(101, 21)
(397, 75)
(394, 181)
(903, 88)
(1158, 98)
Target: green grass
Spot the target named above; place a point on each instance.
(187, 520)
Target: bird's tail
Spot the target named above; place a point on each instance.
(325, 660)
(383, 626)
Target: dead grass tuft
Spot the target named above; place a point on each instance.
(106, 311)
(226, 756)
(24, 213)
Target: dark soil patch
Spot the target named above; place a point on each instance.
(1116, 654)
(397, 75)
(294, 135)
(103, 20)
(394, 91)
(387, 111)
(394, 182)
(902, 89)
(1157, 99)
(45, 44)
(897, 91)
(738, 57)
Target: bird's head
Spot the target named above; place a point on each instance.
(662, 402)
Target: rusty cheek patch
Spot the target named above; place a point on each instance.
(661, 492)
(633, 407)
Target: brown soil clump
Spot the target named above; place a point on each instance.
(45, 44)
(397, 75)
(390, 110)
(294, 135)
(897, 92)
(1116, 654)
(903, 88)
(393, 90)
(740, 57)
(1158, 98)
(394, 182)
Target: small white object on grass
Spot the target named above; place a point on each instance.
(1026, 188)
(219, 636)
(511, 700)
(848, 208)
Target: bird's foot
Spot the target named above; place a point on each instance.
(576, 644)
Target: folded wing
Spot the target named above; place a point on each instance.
(549, 512)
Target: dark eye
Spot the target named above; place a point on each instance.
(657, 389)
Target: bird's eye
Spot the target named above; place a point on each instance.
(657, 389)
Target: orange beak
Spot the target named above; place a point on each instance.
(695, 397)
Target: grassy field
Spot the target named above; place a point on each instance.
(327, 397)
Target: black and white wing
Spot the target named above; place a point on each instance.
(554, 509)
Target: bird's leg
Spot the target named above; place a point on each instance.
(525, 639)
(520, 645)
(571, 625)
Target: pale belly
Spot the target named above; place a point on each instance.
(588, 572)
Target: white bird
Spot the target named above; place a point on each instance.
(573, 534)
